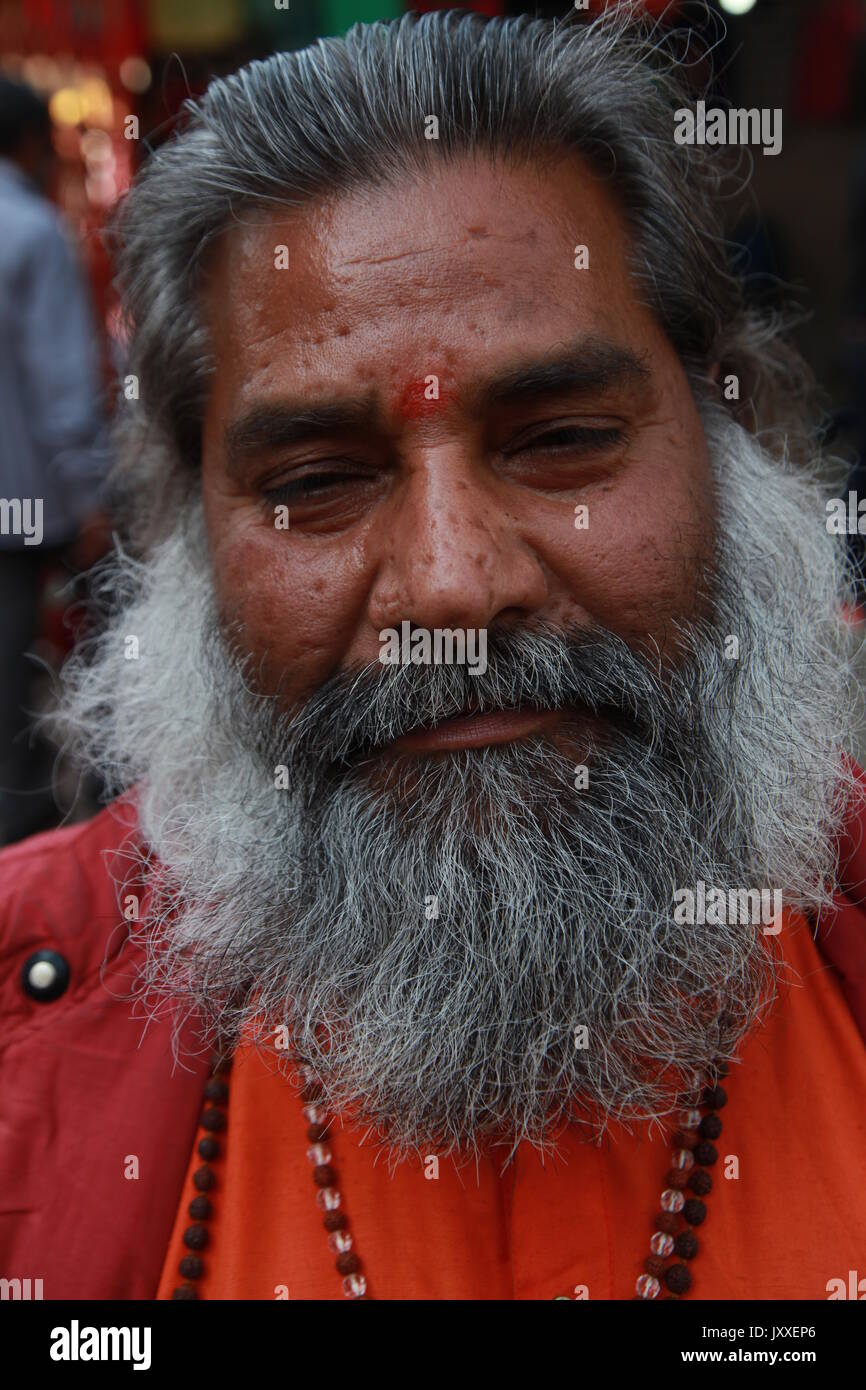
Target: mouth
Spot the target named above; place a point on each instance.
(474, 730)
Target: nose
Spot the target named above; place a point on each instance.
(455, 556)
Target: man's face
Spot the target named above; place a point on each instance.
(432, 928)
(458, 512)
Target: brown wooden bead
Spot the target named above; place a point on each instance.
(191, 1267)
(200, 1208)
(655, 1265)
(316, 1133)
(715, 1097)
(710, 1127)
(213, 1119)
(208, 1148)
(195, 1237)
(184, 1291)
(666, 1221)
(203, 1178)
(677, 1177)
(348, 1263)
(722, 1068)
(686, 1245)
(678, 1279)
(324, 1175)
(217, 1091)
(694, 1212)
(684, 1139)
(700, 1182)
(706, 1154)
(335, 1221)
(220, 1065)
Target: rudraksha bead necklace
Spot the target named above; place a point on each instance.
(672, 1244)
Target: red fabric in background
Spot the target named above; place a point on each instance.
(105, 30)
(826, 60)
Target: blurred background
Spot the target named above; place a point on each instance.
(94, 64)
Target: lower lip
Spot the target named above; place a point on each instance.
(478, 731)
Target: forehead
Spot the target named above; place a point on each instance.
(461, 266)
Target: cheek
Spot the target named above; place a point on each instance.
(292, 607)
(642, 560)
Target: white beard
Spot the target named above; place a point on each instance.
(310, 906)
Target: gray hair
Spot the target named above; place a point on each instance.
(304, 905)
(351, 111)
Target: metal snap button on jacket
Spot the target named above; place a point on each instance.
(45, 976)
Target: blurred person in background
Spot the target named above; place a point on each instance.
(52, 446)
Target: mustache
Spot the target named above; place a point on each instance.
(356, 714)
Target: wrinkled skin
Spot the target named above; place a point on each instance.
(440, 512)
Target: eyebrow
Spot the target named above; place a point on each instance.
(586, 367)
(275, 425)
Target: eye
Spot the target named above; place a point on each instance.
(568, 438)
(309, 485)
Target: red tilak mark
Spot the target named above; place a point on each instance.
(417, 400)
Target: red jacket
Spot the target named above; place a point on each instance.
(85, 1085)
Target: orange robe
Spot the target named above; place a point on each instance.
(793, 1220)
